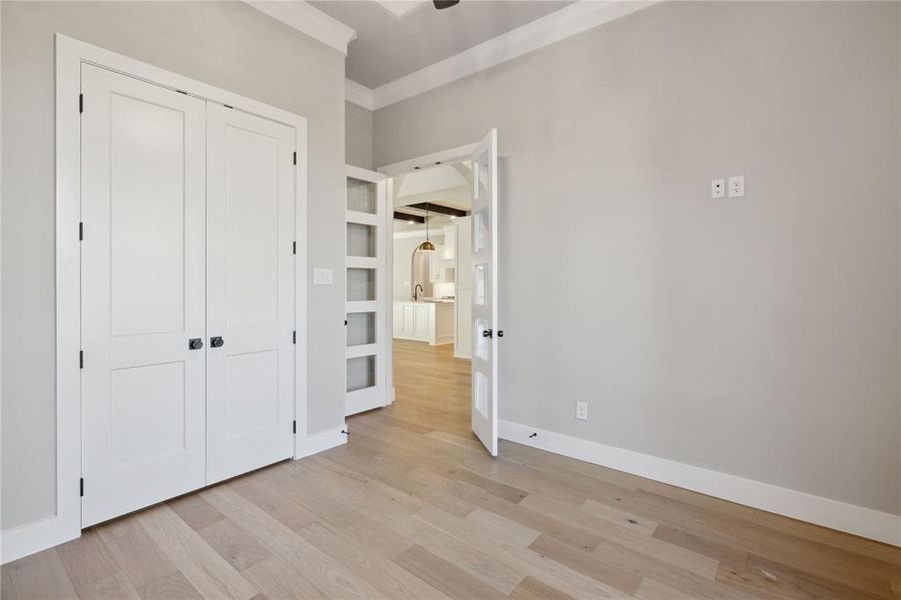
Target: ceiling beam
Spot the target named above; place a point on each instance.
(399, 216)
(437, 208)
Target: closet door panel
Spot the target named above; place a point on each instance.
(143, 389)
(250, 297)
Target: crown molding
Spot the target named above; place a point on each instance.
(309, 20)
(558, 25)
(358, 94)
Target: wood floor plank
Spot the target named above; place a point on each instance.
(141, 559)
(444, 576)
(385, 575)
(87, 559)
(113, 587)
(234, 544)
(718, 552)
(290, 513)
(649, 589)
(195, 511)
(623, 579)
(377, 537)
(773, 580)
(279, 578)
(535, 589)
(40, 575)
(174, 586)
(208, 572)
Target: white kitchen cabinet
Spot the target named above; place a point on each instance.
(422, 320)
(431, 322)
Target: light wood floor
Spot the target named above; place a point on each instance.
(412, 507)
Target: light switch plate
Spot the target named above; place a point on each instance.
(737, 186)
(717, 188)
(323, 276)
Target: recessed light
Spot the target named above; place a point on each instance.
(411, 222)
(453, 216)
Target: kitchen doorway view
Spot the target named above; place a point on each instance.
(432, 291)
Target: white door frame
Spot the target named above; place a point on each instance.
(70, 54)
(449, 155)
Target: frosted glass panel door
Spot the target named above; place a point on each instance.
(367, 298)
(250, 292)
(143, 162)
(484, 298)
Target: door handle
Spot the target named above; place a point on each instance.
(487, 333)
(195, 344)
(217, 342)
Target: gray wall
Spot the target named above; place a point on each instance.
(227, 44)
(755, 336)
(358, 135)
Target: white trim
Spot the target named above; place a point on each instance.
(324, 440)
(401, 8)
(309, 20)
(358, 94)
(428, 160)
(865, 522)
(70, 54)
(556, 26)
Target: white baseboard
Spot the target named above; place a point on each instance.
(33, 537)
(322, 441)
(865, 522)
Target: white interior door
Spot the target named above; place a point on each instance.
(143, 164)
(250, 292)
(484, 292)
(366, 261)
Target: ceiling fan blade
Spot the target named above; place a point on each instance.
(441, 4)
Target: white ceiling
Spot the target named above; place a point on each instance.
(448, 185)
(388, 46)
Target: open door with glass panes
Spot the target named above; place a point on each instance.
(484, 294)
(366, 324)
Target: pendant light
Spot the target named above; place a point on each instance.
(427, 246)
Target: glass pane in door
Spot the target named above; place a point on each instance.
(360, 373)
(361, 196)
(360, 328)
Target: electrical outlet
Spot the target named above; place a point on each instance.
(717, 188)
(737, 186)
(582, 411)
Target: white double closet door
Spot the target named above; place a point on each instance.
(187, 293)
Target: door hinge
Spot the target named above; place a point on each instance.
(80, 103)
(81, 486)
(81, 359)
(80, 231)
(294, 248)
(295, 158)
(295, 426)
(294, 337)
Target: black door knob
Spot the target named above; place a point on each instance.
(195, 343)
(487, 333)
(217, 342)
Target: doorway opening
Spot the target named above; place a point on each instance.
(443, 283)
(431, 289)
